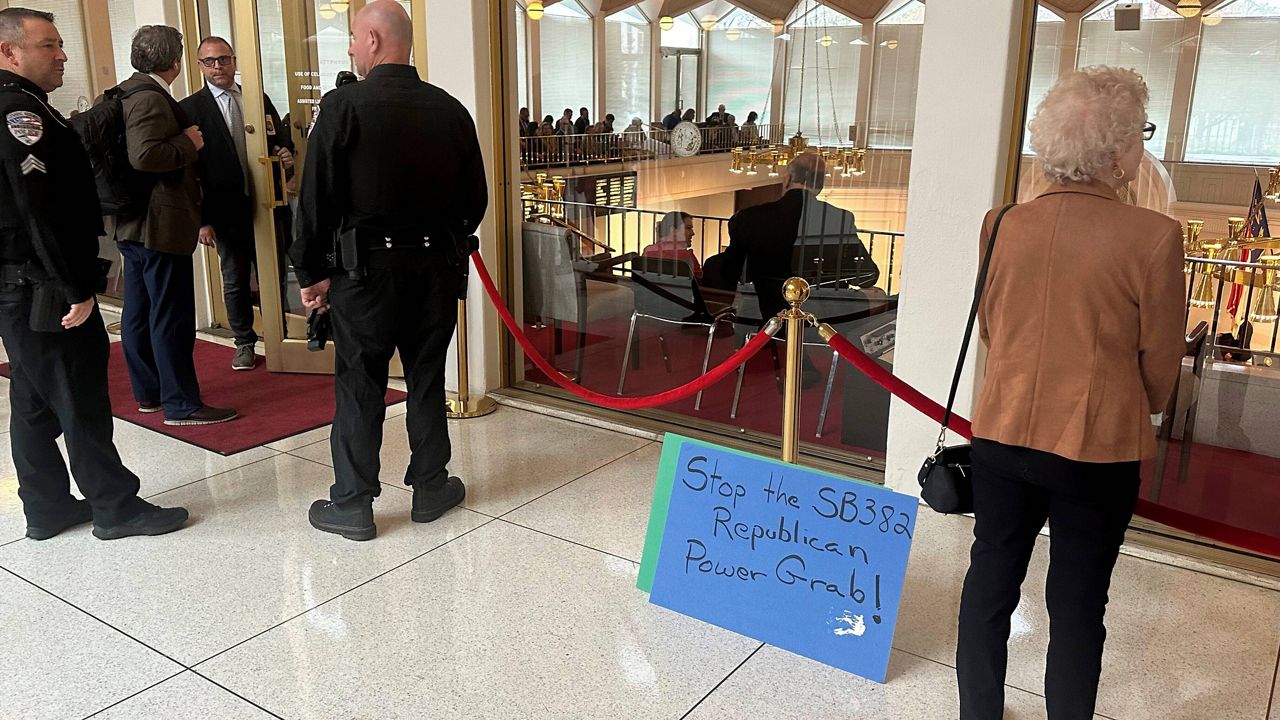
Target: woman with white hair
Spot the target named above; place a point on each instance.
(1082, 315)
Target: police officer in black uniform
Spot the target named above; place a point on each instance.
(49, 273)
(394, 173)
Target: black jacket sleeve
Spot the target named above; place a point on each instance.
(322, 195)
(32, 178)
(473, 185)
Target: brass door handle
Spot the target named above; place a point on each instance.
(273, 202)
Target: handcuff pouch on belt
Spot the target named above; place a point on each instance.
(48, 302)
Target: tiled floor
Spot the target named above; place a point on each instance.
(521, 605)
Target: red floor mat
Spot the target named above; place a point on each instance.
(272, 406)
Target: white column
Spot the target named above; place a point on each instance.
(458, 61)
(968, 67)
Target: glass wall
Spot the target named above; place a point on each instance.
(1152, 51)
(567, 62)
(628, 59)
(1212, 78)
(895, 76)
(1235, 114)
(630, 280)
(522, 58)
(824, 58)
(741, 51)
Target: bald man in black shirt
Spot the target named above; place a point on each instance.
(393, 166)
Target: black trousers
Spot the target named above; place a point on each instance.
(406, 301)
(158, 329)
(238, 259)
(59, 387)
(1088, 506)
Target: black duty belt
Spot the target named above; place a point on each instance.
(15, 274)
(373, 240)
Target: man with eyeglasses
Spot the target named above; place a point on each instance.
(226, 177)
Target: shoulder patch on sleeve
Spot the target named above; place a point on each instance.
(27, 127)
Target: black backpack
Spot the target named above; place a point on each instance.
(122, 189)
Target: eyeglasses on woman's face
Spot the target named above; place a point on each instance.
(1148, 131)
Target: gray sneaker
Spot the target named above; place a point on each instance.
(245, 359)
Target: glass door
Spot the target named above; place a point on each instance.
(681, 70)
(292, 51)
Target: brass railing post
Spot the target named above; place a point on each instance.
(795, 291)
(461, 405)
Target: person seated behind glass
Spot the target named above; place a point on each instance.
(671, 121)
(719, 117)
(749, 133)
(565, 125)
(527, 126)
(675, 241)
(690, 115)
(633, 135)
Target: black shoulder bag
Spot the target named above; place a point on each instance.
(946, 478)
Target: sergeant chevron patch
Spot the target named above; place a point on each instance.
(33, 164)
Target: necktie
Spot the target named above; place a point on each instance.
(237, 136)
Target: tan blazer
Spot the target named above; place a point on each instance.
(154, 127)
(1083, 316)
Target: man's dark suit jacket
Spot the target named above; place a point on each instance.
(225, 206)
(763, 237)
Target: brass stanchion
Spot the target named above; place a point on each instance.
(461, 405)
(795, 291)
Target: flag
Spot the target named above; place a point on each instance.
(1255, 226)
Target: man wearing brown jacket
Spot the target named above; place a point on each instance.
(158, 325)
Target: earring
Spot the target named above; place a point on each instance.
(1118, 173)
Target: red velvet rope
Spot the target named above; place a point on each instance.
(716, 374)
(1212, 529)
(895, 386)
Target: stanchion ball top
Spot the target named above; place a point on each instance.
(795, 291)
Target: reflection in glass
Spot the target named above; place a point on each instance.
(568, 59)
(625, 279)
(1236, 105)
(895, 76)
(1152, 51)
(627, 60)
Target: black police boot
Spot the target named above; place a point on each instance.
(353, 521)
(79, 514)
(152, 520)
(429, 505)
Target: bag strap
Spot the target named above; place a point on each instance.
(973, 317)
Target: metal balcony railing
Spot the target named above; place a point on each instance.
(630, 230)
(651, 143)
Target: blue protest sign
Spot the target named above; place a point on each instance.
(805, 561)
